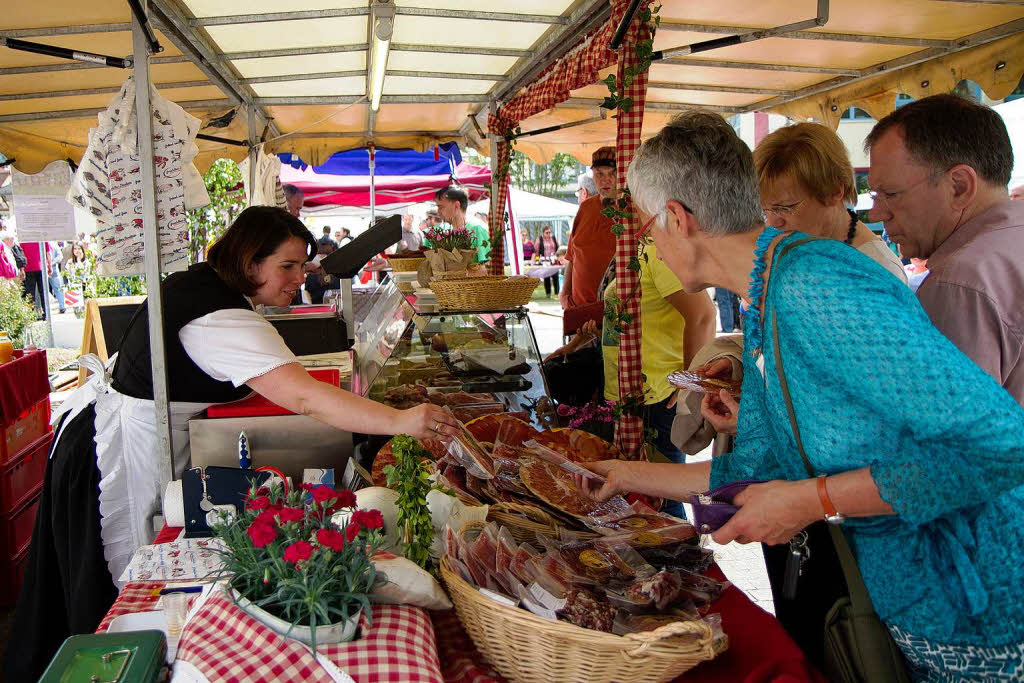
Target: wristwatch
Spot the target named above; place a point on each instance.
(832, 516)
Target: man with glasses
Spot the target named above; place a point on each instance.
(939, 171)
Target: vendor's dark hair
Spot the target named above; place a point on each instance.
(943, 131)
(455, 194)
(256, 234)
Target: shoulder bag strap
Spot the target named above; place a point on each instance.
(859, 598)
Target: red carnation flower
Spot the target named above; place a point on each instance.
(324, 493)
(261, 535)
(329, 538)
(298, 552)
(351, 531)
(370, 519)
(346, 499)
(306, 486)
(290, 515)
(263, 491)
(258, 503)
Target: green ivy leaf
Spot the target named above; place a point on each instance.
(626, 104)
(610, 102)
(634, 263)
(618, 229)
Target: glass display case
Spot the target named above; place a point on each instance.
(474, 362)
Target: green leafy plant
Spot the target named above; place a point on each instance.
(227, 200)
(286, 555)
(17, 312)
(409, 477)
(82, 277)
(447, 237)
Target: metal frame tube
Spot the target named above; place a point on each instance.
(151, 235)
(65, 53)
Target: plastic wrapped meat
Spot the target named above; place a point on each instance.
(686, 556)
(520, 564)
(701, 589)
(558, 488)
(636, 523)
(662, 590)
(468, 452)
(485, 548)
(588, 610)
(578, 445)
(405, 396)
(554, 575)
(602, 563)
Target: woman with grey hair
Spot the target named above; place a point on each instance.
(930, 494)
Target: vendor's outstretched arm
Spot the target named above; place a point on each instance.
(291, 387)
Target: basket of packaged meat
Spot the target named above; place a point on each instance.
(584, 610)
(585, 590)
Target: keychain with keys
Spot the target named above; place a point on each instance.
(799, 553)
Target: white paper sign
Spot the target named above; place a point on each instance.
(41, 212)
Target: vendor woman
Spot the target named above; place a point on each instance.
(102, 482)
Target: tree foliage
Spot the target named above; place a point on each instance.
(544, 180)
(227, 199)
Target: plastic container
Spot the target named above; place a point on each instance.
(24, 430)
(16, 527)
(23, 475)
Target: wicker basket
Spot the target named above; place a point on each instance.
(526, 648)
(405, 265)
(487, 293)
(526, 521)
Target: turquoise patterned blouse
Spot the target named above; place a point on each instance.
(875, 384)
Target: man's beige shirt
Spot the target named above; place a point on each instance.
(975, 292)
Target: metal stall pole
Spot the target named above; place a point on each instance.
(373, 185)
(251, 122)
(151, 241)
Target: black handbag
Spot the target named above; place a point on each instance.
(577, 378)
(858, 647)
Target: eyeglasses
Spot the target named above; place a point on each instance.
(783, 209)
(882, 198)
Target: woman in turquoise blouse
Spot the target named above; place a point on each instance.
(933, 490)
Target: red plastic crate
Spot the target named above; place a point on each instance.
(27, 428)
(21, 477)
(16, 527)
(12, 573)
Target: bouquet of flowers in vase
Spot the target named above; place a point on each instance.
(285, 556)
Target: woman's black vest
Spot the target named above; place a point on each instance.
(187, 296)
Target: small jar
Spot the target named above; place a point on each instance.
(6, 348)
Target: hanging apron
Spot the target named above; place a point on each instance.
(126, 457)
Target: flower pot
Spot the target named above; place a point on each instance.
(442, 263)
(328, 634)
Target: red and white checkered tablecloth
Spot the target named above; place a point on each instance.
(229, 646)
(139, 596)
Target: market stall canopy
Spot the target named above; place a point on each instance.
(350, 190)
(309, 74)
(438, 160)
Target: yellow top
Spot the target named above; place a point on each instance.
(661, 336)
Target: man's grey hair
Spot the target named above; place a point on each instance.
(699, 161)
(586, 182)
(291, 191)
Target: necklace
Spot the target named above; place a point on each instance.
(853, 227)
(753, 322)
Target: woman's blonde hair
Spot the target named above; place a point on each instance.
(812, 155)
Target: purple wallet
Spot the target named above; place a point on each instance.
(711, 510)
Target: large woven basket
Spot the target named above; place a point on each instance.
(405, 265)
(526, 521)
(487, 293)
(525, 648)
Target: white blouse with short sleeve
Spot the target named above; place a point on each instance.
(234, 345)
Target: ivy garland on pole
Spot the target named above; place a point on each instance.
(619, 211)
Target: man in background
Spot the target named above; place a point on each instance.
(294, 198)
(586, 189)
(591, 242)
(411, 240)
(939, 171)
(327, 236)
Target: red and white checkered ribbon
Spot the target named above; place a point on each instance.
(629, 431)
(229, 646)
(499, 190)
